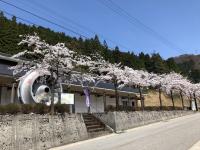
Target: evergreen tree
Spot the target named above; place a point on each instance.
(194, 75)
(172, 66)
(156, 64)
(11, 29)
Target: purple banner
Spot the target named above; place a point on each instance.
(87, 96)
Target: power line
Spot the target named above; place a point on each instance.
(78, 25)
(117, 9)
(25, 20)
(42, 18)
(61, 26)
(36, 6)
(136, 22)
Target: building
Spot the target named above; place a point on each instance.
(102, 96)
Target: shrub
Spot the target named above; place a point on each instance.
(40, 108)
(27, 108)
(61, 108)
(2, 110)
(146, 108)
(152, 108)
(12, 108)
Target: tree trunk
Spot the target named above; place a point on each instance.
(190, 101)
(172, 99)
(181, 95)
(141, 98)
(160, 98)
(116, 96)
(52, 99)
(195, 100)
(59, 94)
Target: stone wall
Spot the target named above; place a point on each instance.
(125, 120)
(38, 132)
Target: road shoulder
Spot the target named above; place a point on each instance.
(195, 146)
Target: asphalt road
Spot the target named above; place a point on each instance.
(176, 134)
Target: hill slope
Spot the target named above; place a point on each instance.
(10, 30)
(189, 66)
(194, 60)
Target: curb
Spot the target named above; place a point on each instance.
(195, 146)
(63, 147)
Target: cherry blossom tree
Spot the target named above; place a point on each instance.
(112, 73)
(192, 92)
(108, 72)
(197, 90)
(64, 65)
(155, 81)
(57, 60)
(135, 78)
(168, 85)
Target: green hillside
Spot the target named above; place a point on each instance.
(9, 39)
(190, 66)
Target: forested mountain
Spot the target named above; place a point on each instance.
(9, 39)
(189, 66)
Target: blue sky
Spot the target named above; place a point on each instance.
(178, 21)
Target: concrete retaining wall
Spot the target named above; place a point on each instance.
(125, 120)
(38, 132)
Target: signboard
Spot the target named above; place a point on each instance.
(193, 105)
(67, 98)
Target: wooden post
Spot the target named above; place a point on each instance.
(190, 101)
(116, 96)
(182, 100)
(74, 105)
(60, 91)
(142, 100)
(172, 99)
(52, 99)
(195, 100)
(128, 101)
(52, 81)
(160, 99)
(13, 93)
(104, 101)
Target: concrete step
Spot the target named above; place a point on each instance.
(94, 126)
(91, 120)
(97, 134)
(96, 129)
(88, 117)
(92, 123)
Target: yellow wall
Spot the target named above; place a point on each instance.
(152, 99)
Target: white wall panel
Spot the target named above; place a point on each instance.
(80, 106)
(110, 101)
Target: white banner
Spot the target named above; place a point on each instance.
(67, 98)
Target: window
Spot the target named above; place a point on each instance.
(124, 103)
(133, 103)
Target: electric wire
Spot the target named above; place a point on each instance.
(42, 18)
(78, 25)
(136, 22)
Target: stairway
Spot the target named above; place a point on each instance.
(94, 126)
